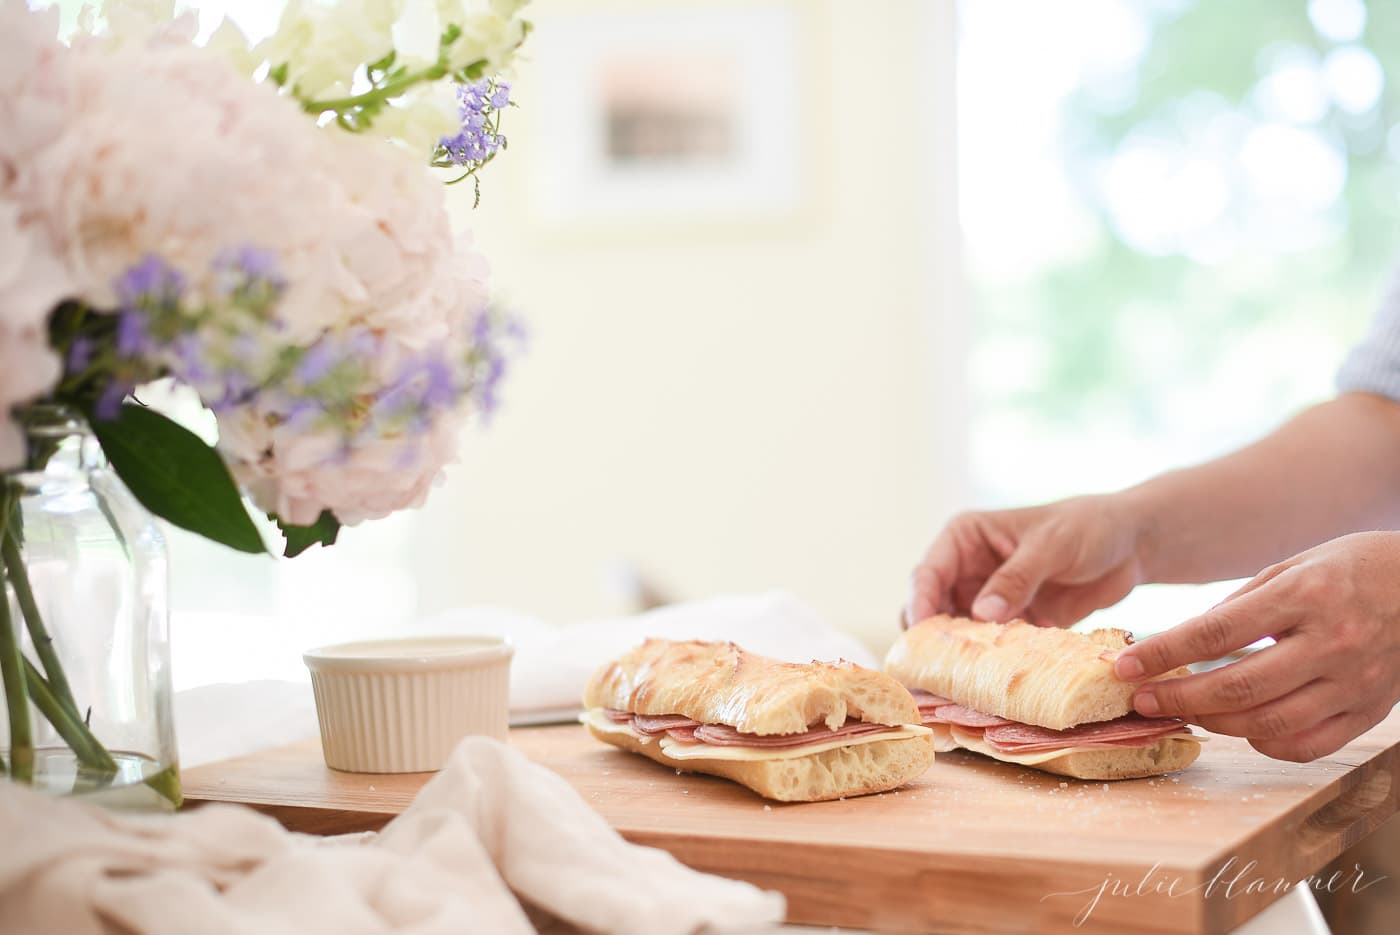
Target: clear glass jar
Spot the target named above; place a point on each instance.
(85, 574)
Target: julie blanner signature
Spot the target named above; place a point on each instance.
(1231, 880)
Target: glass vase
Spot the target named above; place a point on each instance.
(84, 645)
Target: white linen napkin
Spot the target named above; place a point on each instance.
(490, 826)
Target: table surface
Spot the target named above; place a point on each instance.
(972, 845)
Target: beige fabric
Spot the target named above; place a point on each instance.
(490, 823)
(820, 777)
(719, 683)
(1036, 675)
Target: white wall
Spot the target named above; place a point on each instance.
(729, 407)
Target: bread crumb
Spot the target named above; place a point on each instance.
(767, 808)
(1105, 787)
(371, 788)
(1064, 785)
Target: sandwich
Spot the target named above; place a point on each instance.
(1036, 696)
(794, 733)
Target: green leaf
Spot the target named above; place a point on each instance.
(176, 476)
(301, 538)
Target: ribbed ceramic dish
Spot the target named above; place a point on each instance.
(400, 706)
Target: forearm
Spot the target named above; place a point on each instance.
(1332, 470)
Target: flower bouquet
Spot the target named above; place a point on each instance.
(265, 225)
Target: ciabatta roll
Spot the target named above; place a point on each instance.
(794, 733)
(1037, 696)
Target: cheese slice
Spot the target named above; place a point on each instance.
(596, 719)
(678, 750)
(943, 741)
(972, 740)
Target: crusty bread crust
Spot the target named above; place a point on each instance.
(1165, 756)
(845, 771)
(719, 683)
(1036, 675)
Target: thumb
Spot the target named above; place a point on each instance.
(1011, 587)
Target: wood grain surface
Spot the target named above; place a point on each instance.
(971, 846)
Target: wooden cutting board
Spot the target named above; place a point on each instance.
(972, 846)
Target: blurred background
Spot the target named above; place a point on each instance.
(804, 278)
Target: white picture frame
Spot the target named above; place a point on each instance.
(725, 148)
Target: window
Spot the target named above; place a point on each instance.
(1178, 216)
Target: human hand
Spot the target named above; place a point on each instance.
(1332, 674)
(1052, 564)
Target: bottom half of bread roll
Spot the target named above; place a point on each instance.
(1163, 755)
(872, 765)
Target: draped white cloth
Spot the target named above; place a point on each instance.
(491, 834)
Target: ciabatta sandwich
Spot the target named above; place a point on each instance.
(795, 733)
(1037, 696)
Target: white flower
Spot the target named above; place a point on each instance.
(230, 42)
(113, 152)
(488, 38)
(323, 46)
(32, 282)
(420, 118)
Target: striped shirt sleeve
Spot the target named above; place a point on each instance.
(1373, 366)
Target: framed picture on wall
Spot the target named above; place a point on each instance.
(666, 114)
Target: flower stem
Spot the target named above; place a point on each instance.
(12, 673)
(43, 642)
(378, 95)
(86, 747)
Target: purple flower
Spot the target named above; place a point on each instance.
(109, 403)
(318, 361)
(80, 354)
(150, 283)
(253, 262)
(133, 336)
(250, 274)
(302, 412)
(495, 370)
(477, 140)
(237, 389)
(424, 385)
(440, 387)
(189, 351)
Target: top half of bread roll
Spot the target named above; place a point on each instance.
(1036, 675)
(719, 683)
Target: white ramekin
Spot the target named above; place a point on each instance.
(400, 706)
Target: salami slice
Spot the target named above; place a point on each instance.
(926, 699)
(722, 735)
(618, 717)
(651, 724)
(1131, 730)
(967, 717)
